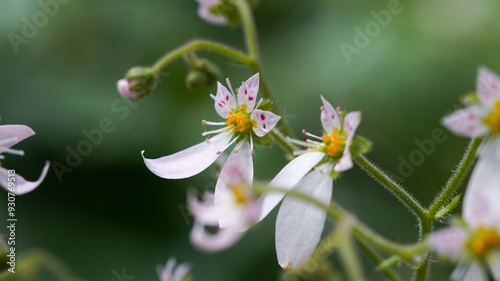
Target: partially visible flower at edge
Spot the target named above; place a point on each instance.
(476, 245)
(244, 122)
(9, 136)
(299, 224)
(232, 209)
(167, 273)
(218, 12)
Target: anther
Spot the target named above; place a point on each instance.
(322, 108)
(203, 122)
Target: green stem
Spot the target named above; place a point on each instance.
(397, 190)
(359, 230)
(286, 145)
(376, 259)
(197, 44)
(252, 43)
(456, 179)
(348, 253)
(423, 268)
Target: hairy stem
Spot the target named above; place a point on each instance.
(348, 253)
(456, 179)
(376, 259)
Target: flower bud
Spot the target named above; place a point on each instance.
(203, 73)
(139, 82)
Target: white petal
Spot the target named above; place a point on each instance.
(351, 123)
(225, 101)
(287, 178)
(247, 93)
(188, 162)
(238, 168)
(481, 197)
(488, 86)
(22, 186)
(448, 241)
(469, 272)
(466, 122)
(12, 134)
(266, 121)
(329, 117)
(299, 224)
(181, 271)
(210, 243)
(494, 264)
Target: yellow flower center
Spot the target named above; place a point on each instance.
(493, 119)
(240, 194)
(335, 143)
(483, 240)
(241, 119)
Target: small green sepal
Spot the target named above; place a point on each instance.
(359, 146)
(266, 105)
(266, 140)
(142, 81)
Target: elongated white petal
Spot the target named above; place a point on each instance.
(238, 169)
(351, 123)
(329, 117)
(448, 241)
(287, 178)
(266, 120)
(12, 134)
(469, 272)
(466, 122)
(483, 191)
(224, 101)
(210, 243)
(488, 86)
(247, 93)
(188, 162)
(494, 264)
(22, 186)
(299, 224)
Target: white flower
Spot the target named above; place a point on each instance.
(243, 120)
(299, 224)
(168, 273)
(477, 244)
(9, 136)
(232, 209)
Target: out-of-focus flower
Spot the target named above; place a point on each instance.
(299, 224)
(483, 119)
(232, 209)
(9, 136)
(245, 123)
(476, 244)
(168, 273)
(218, 12)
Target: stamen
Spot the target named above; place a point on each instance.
(299, 152)
(14, 151)
(251, 144)
(230, 87)
(260, 101)
(207, 140)
(235, 150)
(311, 135)
(218, 131)
(311, 141)
(228, 145)
(222, 103)
(322, 108)
(8, 140)
(302, 143)
(205, 122)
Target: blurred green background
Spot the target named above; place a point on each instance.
(111, 213)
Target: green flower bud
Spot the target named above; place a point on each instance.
(139, 82)
(203, 73)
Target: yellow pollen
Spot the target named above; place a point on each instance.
(241, 120)
(483, 240)
(239, 193)
(493, 119)
(335, 143)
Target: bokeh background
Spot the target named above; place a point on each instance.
(110, 213)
